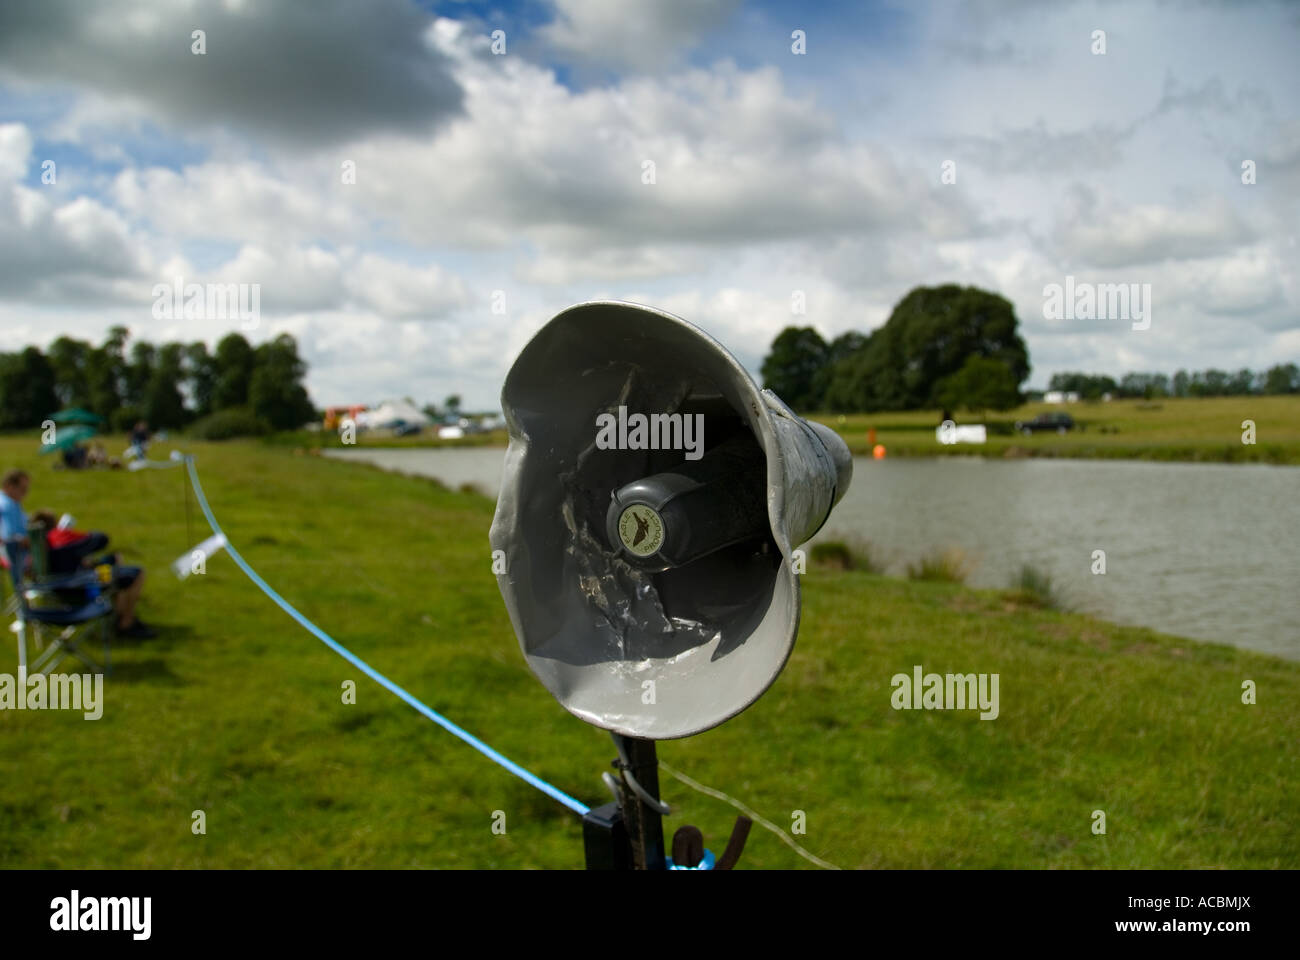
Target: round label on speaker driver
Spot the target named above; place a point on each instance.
(641, 530)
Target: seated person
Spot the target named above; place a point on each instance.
(98, 457)
(139, 440)
(75, 458)
(13, 522)
(68, 550)
(128, 580)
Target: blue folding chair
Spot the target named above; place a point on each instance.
(43, 608)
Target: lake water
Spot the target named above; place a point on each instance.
(1210, 551)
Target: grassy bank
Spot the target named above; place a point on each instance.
(237, 711)
(1193, 429)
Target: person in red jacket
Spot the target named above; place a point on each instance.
(71, 550)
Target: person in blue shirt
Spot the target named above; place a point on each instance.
(13, 522)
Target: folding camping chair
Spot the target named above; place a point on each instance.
(43, 608)
(38, 569)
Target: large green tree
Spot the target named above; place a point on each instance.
(1283, 378)
(276, 393)
(164, 407)
(928, 338)
(106, 373)
(27, 394)
(71, 360)
(200, 376)
(790, 370)
(139, 372)
(983, 383)
(234, 372)
(839, 349)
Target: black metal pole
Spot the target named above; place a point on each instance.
(644, 823)
(604, 839)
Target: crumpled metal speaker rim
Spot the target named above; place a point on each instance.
(806, 474)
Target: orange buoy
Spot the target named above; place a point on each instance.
(878, 451)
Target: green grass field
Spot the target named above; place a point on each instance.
(1198, 429)
(237, 711)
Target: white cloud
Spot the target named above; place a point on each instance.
(646, 35)
(402, 291)
(15, 151)
(1151, 232)
(737, 160)
(54, 248)
(799, 173)
(245, 202)
(1243, 284)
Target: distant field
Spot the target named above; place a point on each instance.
(1206, 429)
(237, 711)
(1183, 429)
(322, 438)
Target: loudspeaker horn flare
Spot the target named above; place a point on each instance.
(651, 500)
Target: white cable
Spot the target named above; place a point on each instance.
(719, 795)
(611, 782)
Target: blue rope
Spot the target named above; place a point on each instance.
(554, 792)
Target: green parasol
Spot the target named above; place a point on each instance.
(66, 437)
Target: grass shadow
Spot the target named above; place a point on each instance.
(154, 670)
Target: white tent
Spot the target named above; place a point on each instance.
(388, 413)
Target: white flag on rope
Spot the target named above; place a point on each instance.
(195, 561)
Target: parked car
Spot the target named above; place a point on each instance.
(404, 428)
(1060, 423)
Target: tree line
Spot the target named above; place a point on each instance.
(169, 386)
(1281, 378)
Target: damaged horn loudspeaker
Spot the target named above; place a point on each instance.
(651, 500)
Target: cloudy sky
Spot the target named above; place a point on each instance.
(492, 189)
